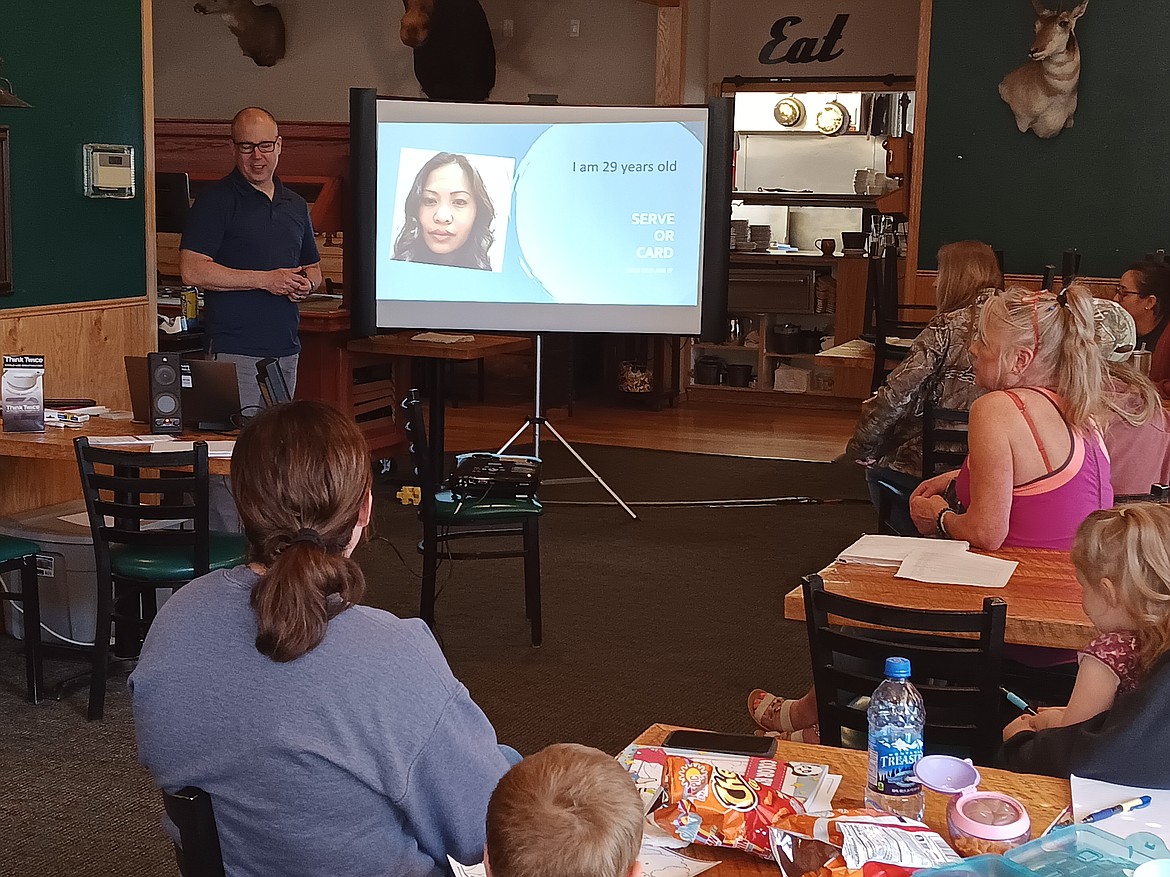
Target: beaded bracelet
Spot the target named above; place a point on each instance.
(940, 525)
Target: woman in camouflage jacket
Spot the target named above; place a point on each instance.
(936, 370)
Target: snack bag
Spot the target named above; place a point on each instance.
(855, 843)
(708, 805)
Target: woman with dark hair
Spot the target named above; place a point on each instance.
(331, 736)
(449, 216)
(1144, 291)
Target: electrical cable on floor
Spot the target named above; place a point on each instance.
(716, 503)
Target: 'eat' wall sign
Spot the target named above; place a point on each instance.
(767, 38)
(783, 48)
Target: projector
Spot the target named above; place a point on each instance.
(495, 476)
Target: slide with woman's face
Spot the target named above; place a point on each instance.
(576, 213)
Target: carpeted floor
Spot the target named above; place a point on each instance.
(671, 618)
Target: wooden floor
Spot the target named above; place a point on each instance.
(733, 430)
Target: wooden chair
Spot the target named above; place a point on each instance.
(20, 555)
(197, 852)
(887, 319)
(126, 499)
(446, 518)
(848, 665)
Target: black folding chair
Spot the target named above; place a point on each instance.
(197, 852)
(963, 648)
(20, 555)
(888, 321)
(944, 439)
(127, 495)
(447, 518)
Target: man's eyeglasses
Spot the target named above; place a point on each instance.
(246, 147)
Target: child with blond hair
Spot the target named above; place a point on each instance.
(1122, 693)
(568, 810)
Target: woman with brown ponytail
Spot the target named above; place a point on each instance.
(331, 736)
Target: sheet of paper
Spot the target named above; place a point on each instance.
(221, 449)
(442, 338)
(892, 550)
(1089, 796)
(98, 440)
(956, 568)
(658, 862)
(823, 799)
(467, 870)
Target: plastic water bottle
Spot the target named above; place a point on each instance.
(896, 718)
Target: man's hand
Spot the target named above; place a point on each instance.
(290, 282)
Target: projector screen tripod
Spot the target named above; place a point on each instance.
(538, 422)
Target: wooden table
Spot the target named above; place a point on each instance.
(1043, 797)
(39, 469)
(1043, 597)
(402, 347)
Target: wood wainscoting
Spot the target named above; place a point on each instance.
(84, 345)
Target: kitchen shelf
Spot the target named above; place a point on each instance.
(791, 355)
(805, 199)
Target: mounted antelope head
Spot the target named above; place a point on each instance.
(258, 29)
(1042, 92)
(1054, 30)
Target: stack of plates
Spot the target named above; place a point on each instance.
(761, 236)
(739, 227)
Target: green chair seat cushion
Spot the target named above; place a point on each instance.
(173, 564)
(12, 548)
(449, 509)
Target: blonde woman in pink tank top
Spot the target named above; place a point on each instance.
(1037, 465)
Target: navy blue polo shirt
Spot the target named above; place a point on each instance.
(239, 227)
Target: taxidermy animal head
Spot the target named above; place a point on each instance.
(454, 55)
(416, 22)
(258, 29)
(1042, 92)
(1055, 29)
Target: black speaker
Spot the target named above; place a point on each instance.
(165, 376)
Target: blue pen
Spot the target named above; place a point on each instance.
(1123, 807)
(1018, 702)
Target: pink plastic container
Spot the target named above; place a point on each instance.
(979, 822)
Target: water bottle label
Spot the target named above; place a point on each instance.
(891, 765)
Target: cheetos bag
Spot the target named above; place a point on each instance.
(707, 805)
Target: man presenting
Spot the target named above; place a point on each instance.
(248, 244)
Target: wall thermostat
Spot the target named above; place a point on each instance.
(109, 171)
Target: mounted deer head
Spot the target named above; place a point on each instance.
(1042, 92)
(258, 29)
(1054, 29)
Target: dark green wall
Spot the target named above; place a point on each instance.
(1102, 186)
(80, 66)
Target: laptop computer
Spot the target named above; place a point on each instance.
(209, 393)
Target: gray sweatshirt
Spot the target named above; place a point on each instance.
(363, 757)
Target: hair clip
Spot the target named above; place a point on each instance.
(1062, 298)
